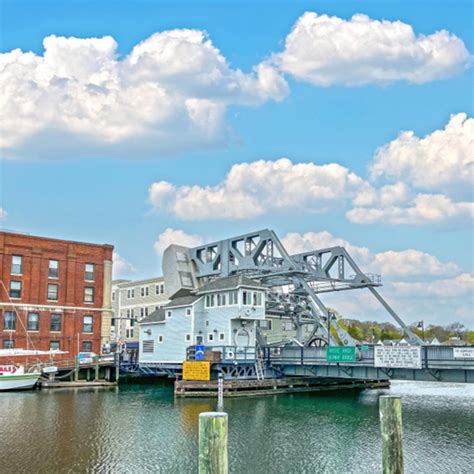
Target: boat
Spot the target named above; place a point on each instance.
(13, 377)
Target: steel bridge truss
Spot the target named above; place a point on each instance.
(299, 279)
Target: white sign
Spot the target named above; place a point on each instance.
(463, 352)
(402, 357)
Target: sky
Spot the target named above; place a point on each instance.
(347, 123)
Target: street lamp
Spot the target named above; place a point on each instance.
(421, 325)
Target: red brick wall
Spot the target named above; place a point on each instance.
(72, 257)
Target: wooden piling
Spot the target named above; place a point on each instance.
(96, 373)
(213, 443)
(390, 409)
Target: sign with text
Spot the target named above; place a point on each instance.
(402, 357)
(463, 352)
(340, 354)
(193, 370)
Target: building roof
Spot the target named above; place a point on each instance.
(182, 301)
(133, 283)
(157, 316)
(230, 283)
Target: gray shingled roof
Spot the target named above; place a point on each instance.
(182, 301)
(157, 316)
(230, 283)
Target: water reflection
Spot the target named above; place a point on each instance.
(141, 428)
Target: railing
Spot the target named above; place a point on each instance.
(431, 356)
(228, 354)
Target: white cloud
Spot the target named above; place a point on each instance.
(406, 263)
(121, 267)
(461, 285)
(252, 189)
(326, 50)
(3, 214)
(177, 237)
(435, 209)
(441, 160)
(168, 95)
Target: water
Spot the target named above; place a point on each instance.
(141, 428)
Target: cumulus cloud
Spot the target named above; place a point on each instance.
(392, 263)
(441, 160)
(121, 267)
(3, 214)
(177, 237)
(168, 95)
(434, 209)
(462, 285)
(252, 189)
(325, 50)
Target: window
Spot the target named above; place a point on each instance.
(53, 269)
(87, 324)
(288, 326)
(148, 346)
(131, 332)
(146, 311)
(221, 336)
(233, 297)
(128, 313)
(113, 295)
(88, 294)
(54, 345)
(128, 294)
(15, 289)
(169, 314)
(9, 321)
(33, 322)
(142, 312)
(266, 324)
(162, 288)
(132, 292)
(161, 338)
(89, 272)
(207, 322)
(147, 290)
(86, 346)
(210, 301)
(221, 297)
(142, 291)
(132, 322)
(8, 344)
(112, 322)
(157, 289)
(246, 297)
(52, 292)
(188, 311)
(127, 333)
(55, 323)
(257, 298)
(17, 265)
(210, 337)
(187, 338)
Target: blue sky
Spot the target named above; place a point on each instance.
(100, 192)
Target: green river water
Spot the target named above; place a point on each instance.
(141, 428)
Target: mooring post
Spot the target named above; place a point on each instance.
(390, 409)
(117, 367)
(76, 369)
(96, 375)
(213, 443)
(220, 393)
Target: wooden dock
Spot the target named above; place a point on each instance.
(253, 387)
(77, 384)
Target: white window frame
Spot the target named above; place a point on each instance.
(187, 337)
(210, 337)
(222, 336)
(188, 311)
(169, 314)
(21, 265)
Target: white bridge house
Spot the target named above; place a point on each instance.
(224, 312)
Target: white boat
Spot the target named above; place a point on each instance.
(13, 377)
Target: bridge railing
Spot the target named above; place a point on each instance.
(431, 356)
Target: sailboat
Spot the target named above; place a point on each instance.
(13, 376)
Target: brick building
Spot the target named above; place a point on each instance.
(54, 294)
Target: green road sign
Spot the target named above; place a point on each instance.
(340, 354)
